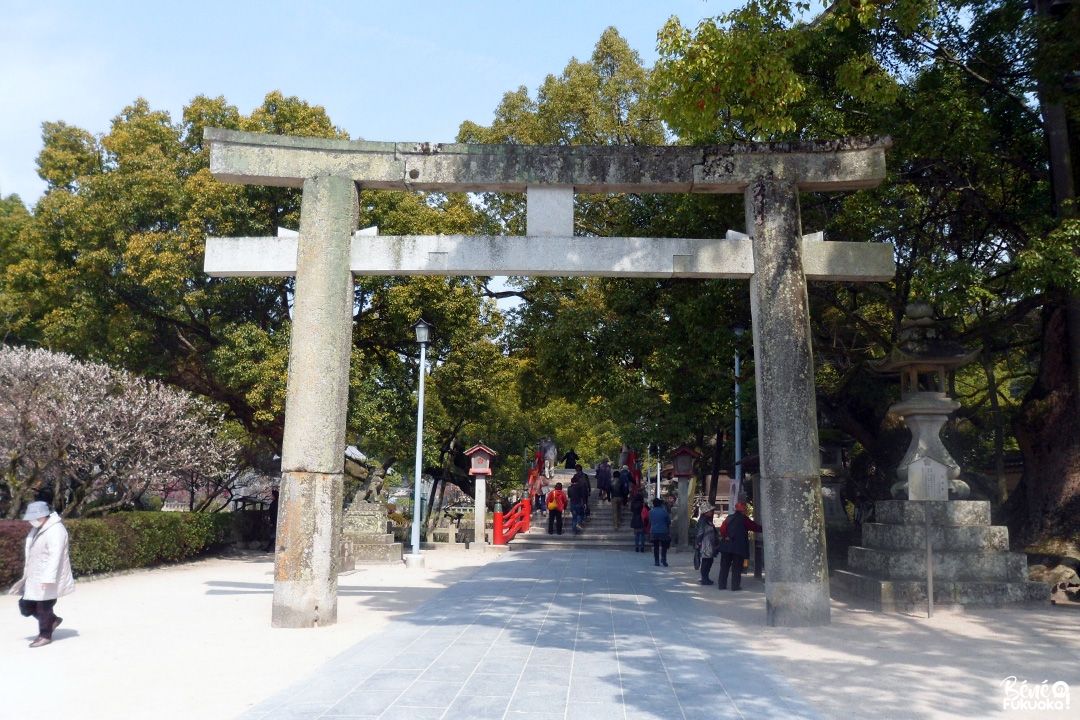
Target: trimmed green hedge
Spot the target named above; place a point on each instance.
(133, 539)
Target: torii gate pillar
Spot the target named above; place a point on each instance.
(797, 576)
(316, 406)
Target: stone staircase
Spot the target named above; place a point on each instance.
(972, 563)
(599, 528)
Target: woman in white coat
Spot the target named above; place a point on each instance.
(46, 572)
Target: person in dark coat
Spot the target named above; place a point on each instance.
(571, 459)
(620, 493)
(583, 477)
(577, 495)
(735, 546)
(603, 479)
(638, 521)
(707, 541)
(660, 528)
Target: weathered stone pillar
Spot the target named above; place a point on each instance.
(313, 448)
(796, 574)
(479, 513)
(682, 512)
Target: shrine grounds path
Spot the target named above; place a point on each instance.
(528, 635)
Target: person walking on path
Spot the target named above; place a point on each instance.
(583, 478)
(707, 541)
(620, 491)
(660, 527)
(556, 503)
(603, 480)
(577, 502)
(735, 546)
(628, 479)
(537, 483)
(551, 454)
(639, 521)
(571, 459)
(46, 570)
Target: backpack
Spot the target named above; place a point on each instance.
(618, 486)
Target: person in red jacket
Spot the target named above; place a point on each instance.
(556, 503)
(735, 546)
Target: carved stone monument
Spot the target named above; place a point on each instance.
(364, 536)
(833, 476)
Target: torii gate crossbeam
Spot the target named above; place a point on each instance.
(775, 256)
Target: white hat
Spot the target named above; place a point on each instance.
(36, 511)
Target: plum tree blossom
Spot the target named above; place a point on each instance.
(92, 439)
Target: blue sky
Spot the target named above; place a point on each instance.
(383, 70)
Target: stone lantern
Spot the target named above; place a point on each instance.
(683, 469)
(480, 457)
(923, 548)
(923, 358)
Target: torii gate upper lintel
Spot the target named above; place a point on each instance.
(285, 161)
(774, 255)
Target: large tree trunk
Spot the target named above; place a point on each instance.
(1047, 500)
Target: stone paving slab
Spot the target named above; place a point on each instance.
(592, 634)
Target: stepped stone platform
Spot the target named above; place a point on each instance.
(600, 532)
(364, 537)
(972, 563)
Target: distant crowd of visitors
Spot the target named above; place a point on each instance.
(623, 489)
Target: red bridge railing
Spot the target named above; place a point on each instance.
(509, 524)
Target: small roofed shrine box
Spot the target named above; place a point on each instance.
(480, 457)
(683, 458)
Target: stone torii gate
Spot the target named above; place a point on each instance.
(774, 256)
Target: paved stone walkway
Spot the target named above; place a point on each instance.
(593, 634)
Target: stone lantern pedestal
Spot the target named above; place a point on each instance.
(924, 414)
(364, 536)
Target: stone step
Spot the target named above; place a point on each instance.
(948, 566)
(568, 533)
(584, 540)
(952, 538)
(951, 513)
(378, 554)
(591, 527)
(910, 595)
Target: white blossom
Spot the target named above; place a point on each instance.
(88, 434)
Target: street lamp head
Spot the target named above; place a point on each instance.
(739, 327)
(423, 331)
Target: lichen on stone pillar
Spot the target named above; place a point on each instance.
(796, 572)
(316, 403)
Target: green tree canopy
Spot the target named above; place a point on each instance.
(108, 267)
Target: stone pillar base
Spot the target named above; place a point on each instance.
(306, 565)
(796, 604)
(796, 573)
